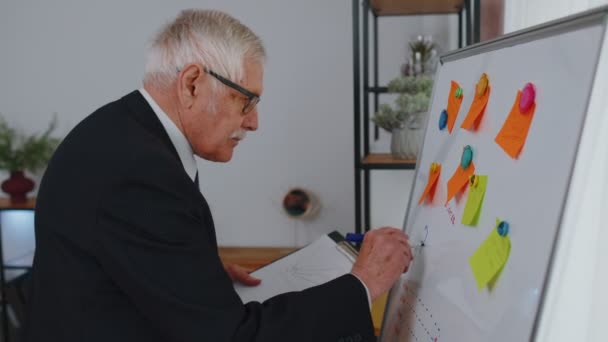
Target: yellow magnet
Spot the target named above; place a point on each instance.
(434, 167)
(482, 85)
(474, 181)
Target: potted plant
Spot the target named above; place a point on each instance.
(19, 153)
(406, 120)
(415, 85)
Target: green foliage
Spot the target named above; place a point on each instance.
(388, 119)
(424, 49)
(411, 84)
(19, 152)
(414, 86)
(413, 100)
(412, 104)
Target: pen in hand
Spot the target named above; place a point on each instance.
(358, 238)
(354, 237)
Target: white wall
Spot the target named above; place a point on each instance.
(70, 57)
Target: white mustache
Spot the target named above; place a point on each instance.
(239, 135)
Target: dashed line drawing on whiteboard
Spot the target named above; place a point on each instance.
(414, 319)
(450, 214)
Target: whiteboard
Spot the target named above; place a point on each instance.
(438, 299)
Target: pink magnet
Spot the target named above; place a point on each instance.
(527, 97)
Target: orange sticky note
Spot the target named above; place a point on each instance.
(514, 131)
(453, 105)
(473, 118)
(431, 185)
(459, 180)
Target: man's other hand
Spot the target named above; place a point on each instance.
(241, 275)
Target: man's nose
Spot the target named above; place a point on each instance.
(251, 120)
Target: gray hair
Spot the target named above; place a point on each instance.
(219, 41)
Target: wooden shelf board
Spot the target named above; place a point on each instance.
(386, 161)
(6, 204)
(413, 7)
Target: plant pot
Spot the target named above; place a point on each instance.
(415, 133)
(406, 140)
(17, 186)
(399, 148)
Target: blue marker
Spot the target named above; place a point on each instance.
(354, 237)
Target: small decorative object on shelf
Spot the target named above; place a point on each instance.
(19, 153)
(423, 57)
(17, 186)
(406, 120)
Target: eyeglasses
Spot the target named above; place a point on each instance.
(252, 98)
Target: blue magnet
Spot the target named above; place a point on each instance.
(467, 157)
(443, 119)
(503, 228)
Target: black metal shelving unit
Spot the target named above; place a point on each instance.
(468, 12)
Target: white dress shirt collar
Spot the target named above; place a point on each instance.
(181, 144)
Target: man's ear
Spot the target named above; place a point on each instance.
(189, 81)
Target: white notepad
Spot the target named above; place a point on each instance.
(319, 262)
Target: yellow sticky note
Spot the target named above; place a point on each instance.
(489, 259)
(472, 209)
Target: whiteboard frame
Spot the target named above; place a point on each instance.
(597, 16)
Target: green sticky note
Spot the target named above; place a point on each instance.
(490, 258)
(472, 210)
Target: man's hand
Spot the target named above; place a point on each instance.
(241, 275)
(384, 256)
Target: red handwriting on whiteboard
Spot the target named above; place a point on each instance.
(451, 214)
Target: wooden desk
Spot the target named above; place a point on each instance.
(256, 257)
(253, 257)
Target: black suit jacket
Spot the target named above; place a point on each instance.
(126, 251)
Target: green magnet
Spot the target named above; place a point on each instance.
(458, 92)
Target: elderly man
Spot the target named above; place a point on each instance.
(126, 246)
